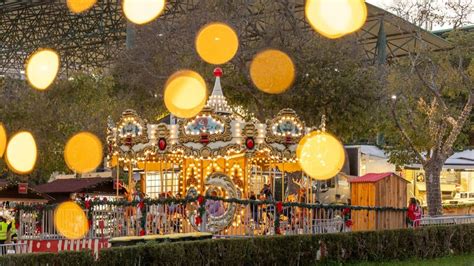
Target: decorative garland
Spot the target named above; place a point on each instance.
(201, 201)
(186, 200)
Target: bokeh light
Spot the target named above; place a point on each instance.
(217, 43)
(70, 220)
(41, 68)
(83, 152)
(21, 153)
(272, 71)
(185, 94)
(142, 11)
(3, 139)
(336, 18)
(320, 155)
(79, 6)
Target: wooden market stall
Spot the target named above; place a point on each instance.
(383, 190)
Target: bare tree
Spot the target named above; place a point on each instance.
(429, 13)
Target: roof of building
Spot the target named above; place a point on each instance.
(372, 177)
(71, 185)
(9, 192)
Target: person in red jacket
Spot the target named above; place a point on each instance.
(413, 214)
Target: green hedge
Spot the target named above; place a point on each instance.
(401, 244)
(73, 258)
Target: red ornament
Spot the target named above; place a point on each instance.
(129, 141)
(279, 207)
(218, 72)
(204, 138)
(142, 232)
(198, 220)
(348, 223)
(162, 144)
(200, 200)
(250, 143)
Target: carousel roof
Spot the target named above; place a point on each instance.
(217, 100)
(217, 131)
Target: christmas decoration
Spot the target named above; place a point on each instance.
(217, 43)
(21, 153)
(41, 68)
(83, 152)
(336, 18)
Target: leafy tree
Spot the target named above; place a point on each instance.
(431, 104)
(332, 77)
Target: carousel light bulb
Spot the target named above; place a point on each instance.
(318, 158)
(21, 153)
(336, 18)
(79, 6)
(70, 220)
(185, 94)
(83, 152)
(3, 139)
(272, 71)
(41, 68)
(142, 11)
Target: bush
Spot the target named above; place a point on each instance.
(400, 244)
(73, 258)
(386, 245)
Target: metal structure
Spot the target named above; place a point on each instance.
(94, 38)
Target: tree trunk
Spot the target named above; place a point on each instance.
(433, 186)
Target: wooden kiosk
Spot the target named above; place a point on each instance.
(378, 189)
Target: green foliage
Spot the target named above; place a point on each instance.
(404, 244)
(70, 258)
(420, 112)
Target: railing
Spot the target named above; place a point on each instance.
(257, 218)
(446, 220)
(13, 248)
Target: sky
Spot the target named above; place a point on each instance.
(384, 3)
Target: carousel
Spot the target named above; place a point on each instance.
(219, 151)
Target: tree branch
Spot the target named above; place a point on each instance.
(466, 111)
(405, 134)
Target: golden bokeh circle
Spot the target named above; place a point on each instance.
(185, 94)
(272, 71)
(83, 152)
(142, 11)
(336, 18)
(320, 155)
(3, 139)
(70, 220)
(41, 68)
(21, 153)
(217, 43)
(79, 6)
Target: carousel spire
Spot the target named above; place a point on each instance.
(217, 100)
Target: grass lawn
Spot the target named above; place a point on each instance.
(460, 260)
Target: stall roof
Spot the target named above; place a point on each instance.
(9, 192)
(373, 177)
(71, 185)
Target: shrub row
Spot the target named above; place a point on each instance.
(401, 244)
